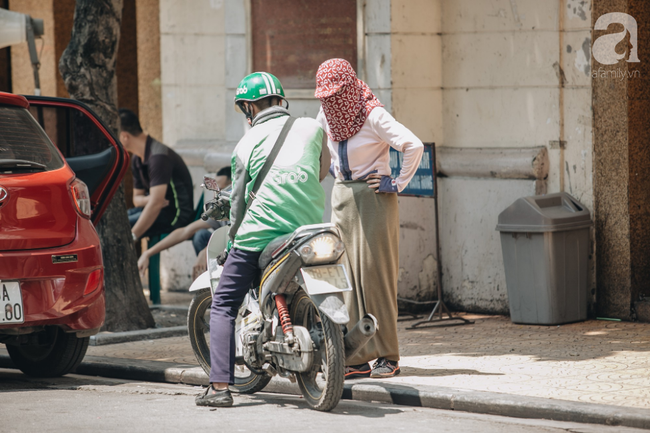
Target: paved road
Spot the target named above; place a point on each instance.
(81, 403)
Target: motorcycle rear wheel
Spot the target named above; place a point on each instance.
(322, 387)
(198, 328)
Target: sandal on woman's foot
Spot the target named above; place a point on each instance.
(384, 368)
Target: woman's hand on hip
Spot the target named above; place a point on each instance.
(381, 183)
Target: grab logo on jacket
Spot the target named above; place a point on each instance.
(291, 177)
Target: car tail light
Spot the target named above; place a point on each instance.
(80, 197)
(94, 281)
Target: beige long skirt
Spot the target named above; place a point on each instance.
(369, 225)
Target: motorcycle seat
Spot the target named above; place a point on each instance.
(267, 254)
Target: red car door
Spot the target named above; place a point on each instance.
(89, 147)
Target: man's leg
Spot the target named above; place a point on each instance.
(239, 271)
(200, 240)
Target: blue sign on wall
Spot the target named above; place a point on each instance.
(423, 182)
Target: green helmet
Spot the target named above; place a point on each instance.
(256, 86)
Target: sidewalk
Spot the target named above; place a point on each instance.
(595, 371)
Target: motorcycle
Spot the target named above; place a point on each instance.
(292, 321)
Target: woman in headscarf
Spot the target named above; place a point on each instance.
(364, 204)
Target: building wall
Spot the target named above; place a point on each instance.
(465, 74)
(622, 172)
(206, 145)
(148, 53)
(515, 74)
(5, 60)
(578, 118)
(460, 73)
(192, 70)
(193, 91)
(22, 77)
(415, 83)
(63, 20)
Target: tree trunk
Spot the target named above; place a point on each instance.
(88, 69)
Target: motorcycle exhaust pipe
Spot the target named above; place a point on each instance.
(358, 336)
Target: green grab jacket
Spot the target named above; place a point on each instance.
(291, 194)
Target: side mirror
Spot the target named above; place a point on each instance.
(210, 183)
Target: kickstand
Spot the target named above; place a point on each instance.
(406, 316)
(441, 309)
(402, 315)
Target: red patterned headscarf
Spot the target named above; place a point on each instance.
(346, 100)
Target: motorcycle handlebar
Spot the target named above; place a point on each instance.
(216, 209)
(209, 209)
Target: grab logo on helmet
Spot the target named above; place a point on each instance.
(242, 90)
(291, 177)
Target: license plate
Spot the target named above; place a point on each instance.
(326, 279)
(11, 303)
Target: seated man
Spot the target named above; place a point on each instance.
(199, 230)
(162, 185)
(279, 207)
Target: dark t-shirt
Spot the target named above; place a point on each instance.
(163, 166)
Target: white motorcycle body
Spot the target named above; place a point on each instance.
(290, 324)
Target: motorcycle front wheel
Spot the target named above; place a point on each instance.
(198, 328)
(322, 386)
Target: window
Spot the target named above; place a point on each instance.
(74, 133)
(291, 38)
(22, 139)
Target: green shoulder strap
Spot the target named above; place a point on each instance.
(269, 161)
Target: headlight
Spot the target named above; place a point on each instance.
(324, 248)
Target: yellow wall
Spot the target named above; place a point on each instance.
(149, 84)
(486, 74)
(22, 76)
(416, 54)
(416, 72)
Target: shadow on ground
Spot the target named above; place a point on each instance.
(439, 372)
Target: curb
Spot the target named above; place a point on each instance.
(482, 402)
(172, 308)
(104, 338)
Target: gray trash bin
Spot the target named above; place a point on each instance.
(545, 243)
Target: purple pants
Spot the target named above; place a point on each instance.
(239, 272)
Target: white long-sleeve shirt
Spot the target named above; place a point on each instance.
(368, 151)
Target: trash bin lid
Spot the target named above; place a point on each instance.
(544, 213)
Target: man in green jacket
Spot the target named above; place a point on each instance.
(290, 196)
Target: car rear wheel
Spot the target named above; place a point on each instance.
(57, 354)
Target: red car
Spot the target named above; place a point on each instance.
(51, 199)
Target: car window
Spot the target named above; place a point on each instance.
(71, 130)
(22, 139)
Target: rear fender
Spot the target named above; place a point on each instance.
(333, 306)
(202, 282)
